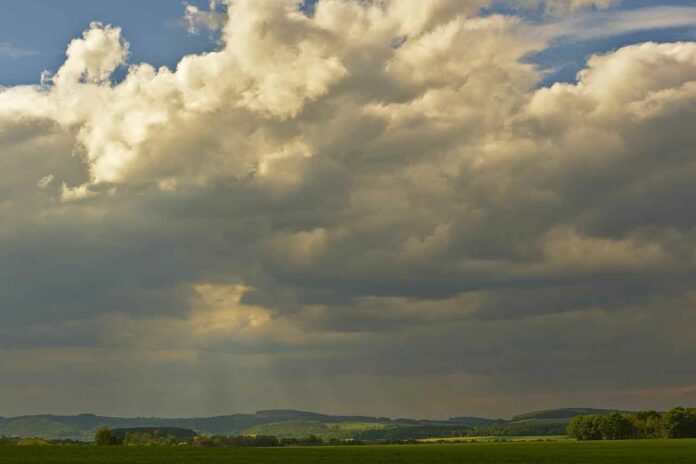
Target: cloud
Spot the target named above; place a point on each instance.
(556, 8)
(568, 6)
(598, 25)
(7, 49)
(212, 19)
(381, 188)
(94, 57)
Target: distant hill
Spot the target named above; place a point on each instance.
(283, 423)
(474, 421)
(562, 414)
(291, 423)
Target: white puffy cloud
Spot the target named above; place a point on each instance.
(212, 19)
(94, 57)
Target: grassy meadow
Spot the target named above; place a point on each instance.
(495, 439)
(561, 452)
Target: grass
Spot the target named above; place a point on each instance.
(488, 439)
(569, 452)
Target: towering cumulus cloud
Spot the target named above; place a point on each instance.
(330, 204)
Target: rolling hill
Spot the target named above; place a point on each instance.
(291, 423)
(284, 423)
(564, 414)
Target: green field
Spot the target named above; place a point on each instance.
(628, 452)
(488, 439)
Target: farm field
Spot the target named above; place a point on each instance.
(489, 439)
(616, 452)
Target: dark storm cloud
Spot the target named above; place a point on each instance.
(310, 203)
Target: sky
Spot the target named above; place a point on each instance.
(394, 207)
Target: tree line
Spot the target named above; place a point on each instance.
(675, 423)
(160, 437)
(417, 432)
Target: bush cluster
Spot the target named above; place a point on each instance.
(675, 423)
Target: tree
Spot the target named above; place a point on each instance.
(616, 426)
(680, 423)
(585, 428)
(648, 424)
(574, 428)
(103, 436)
(313, 440)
